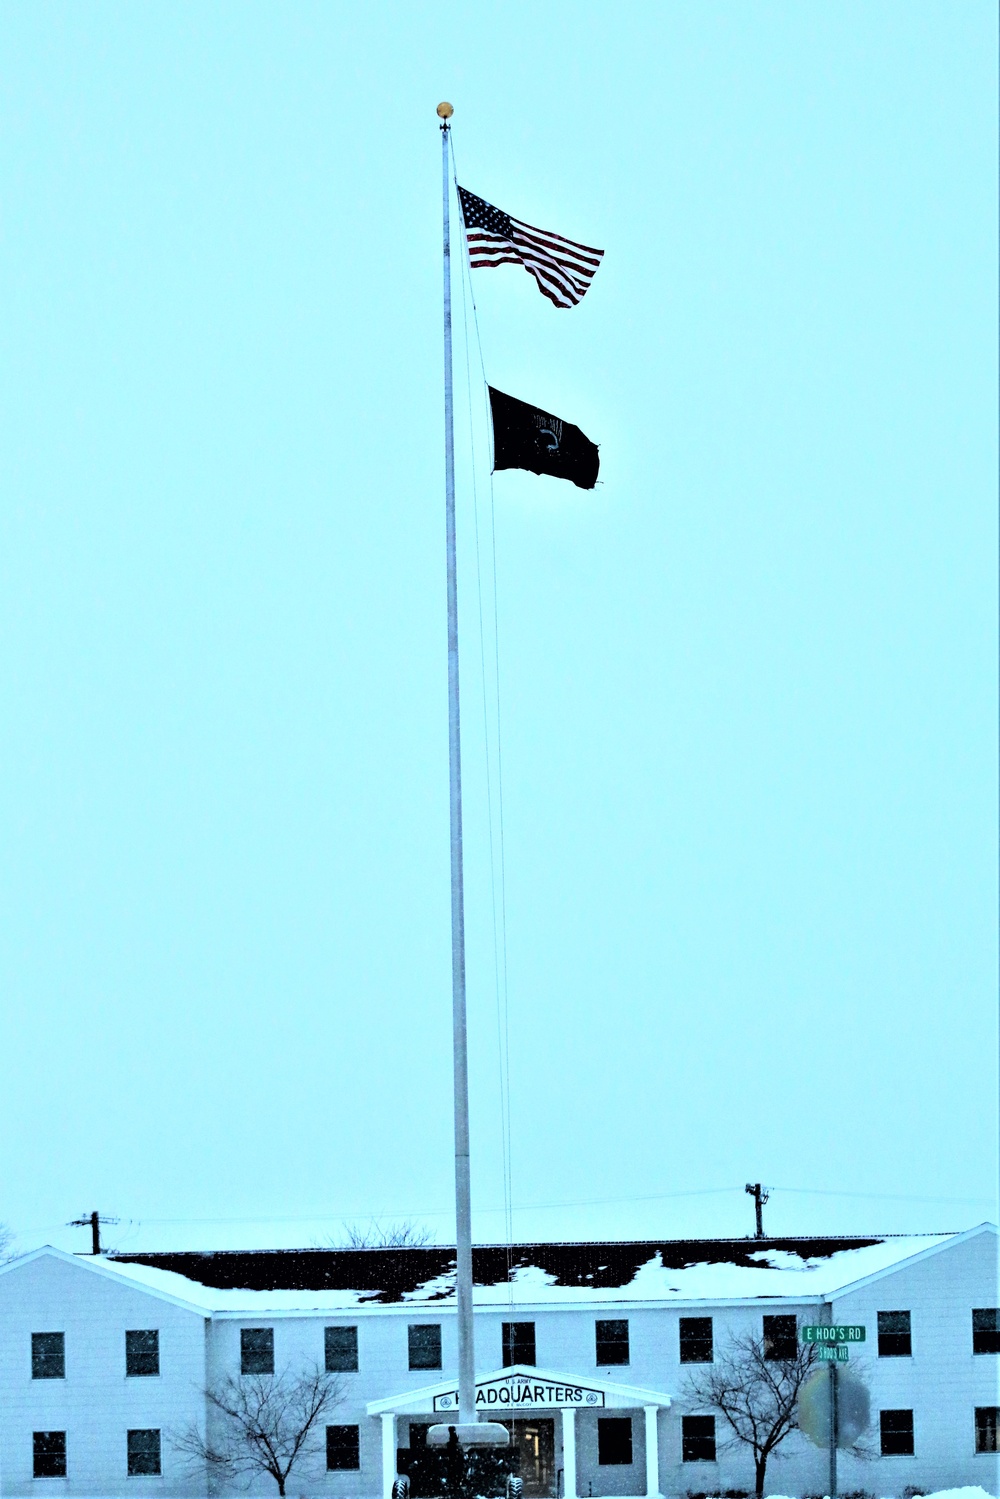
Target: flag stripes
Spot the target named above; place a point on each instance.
(562, 268)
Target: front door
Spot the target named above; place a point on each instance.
(534, 1441)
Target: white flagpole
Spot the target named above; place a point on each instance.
(463, 1189)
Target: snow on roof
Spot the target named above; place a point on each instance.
(331, 1280)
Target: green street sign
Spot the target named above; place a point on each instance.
(837, 1332)
(834, 1353)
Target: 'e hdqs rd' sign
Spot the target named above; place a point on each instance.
(836, 1332)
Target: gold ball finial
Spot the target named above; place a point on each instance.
(445, 110)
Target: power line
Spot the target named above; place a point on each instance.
(534, 1207)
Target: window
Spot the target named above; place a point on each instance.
(696, 1340)
(987, 1428)
(986, 1330)
(780, 1337)
(49, 1454)
(143, 1453)
(614, 1440)
(896, 1433)
(142, 1353)
(48, 1355)
(894, 1335)
(698, 1439)
(343, 1449)
(341, 1350)
(612, 1342)
(256, 1350)
(425, 1346)
(518, 1343)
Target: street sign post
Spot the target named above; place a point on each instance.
(833, 1408)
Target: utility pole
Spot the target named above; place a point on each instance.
(93, 1222)
(759, 1198)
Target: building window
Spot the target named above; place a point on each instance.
(894, 1335)
(143, 1454)
(48, 1355)
(612, 1342)
(341, 1350)
(425, 1345)
(780, 1337)
(614, 1441)
(696, 1340)
(518, 1343)
(698, 1439)
(142, 1353)
(986, 1329)
(343, 1448)
(987, 1428)
(896, 1431)
(49, 1454)
(256, 1350)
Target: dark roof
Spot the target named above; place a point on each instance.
(386, 1275)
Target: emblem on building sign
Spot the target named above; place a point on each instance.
(498, 1394)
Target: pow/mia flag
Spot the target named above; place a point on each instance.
(524, 437)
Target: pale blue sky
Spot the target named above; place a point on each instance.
(748, 684)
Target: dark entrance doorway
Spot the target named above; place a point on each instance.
(534, 1441)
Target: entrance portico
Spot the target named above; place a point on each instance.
(531, 1398)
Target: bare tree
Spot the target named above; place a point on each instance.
(7, 1250)
(261, 1423)
(376, 1235)
(757, 1395)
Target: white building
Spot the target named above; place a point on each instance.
(586, 1347)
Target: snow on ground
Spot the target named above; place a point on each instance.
(972, 1492)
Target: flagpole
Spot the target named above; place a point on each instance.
(463, 1189)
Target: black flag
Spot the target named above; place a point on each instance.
(524, 437)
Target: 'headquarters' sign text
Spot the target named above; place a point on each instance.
(500, 1394)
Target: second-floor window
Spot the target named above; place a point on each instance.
(894, 1339)
(518, 1343)
(256, 1350)
(780, 1337)
(341, 1349)
(142, 1352)
(425, 1345)
(696, 1340)
(48, 1355)
(612, 1342)
(986, 1329)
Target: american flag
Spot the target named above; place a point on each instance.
(563, 270)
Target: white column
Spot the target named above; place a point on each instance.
(388, 1454)
(652, 1451)
(569, 1451)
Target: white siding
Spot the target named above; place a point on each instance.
(95, 1404)
(944, 1381)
